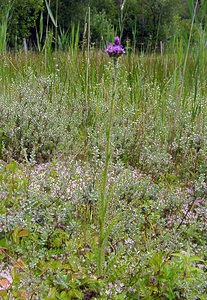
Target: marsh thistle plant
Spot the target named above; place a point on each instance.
(114, 51)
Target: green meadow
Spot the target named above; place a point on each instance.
(103, 171)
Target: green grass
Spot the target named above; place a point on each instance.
(101, 203)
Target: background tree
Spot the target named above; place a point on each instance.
(22, 20)
(143, 22)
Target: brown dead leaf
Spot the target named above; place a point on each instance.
(4, 284)
(23, 295)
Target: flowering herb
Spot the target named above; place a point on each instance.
(116, 49)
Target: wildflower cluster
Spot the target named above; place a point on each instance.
(116, 49)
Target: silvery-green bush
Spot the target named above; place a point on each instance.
(34, 120)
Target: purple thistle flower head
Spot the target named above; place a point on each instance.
(116, 41)
(109, 49)
(116, 49)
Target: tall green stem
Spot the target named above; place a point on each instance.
(86, 101)
(104, 199)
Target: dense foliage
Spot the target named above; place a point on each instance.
(142, 23)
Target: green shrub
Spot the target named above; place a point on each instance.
(34, 121)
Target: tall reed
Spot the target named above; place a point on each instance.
(4, 26)
(188, 48)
